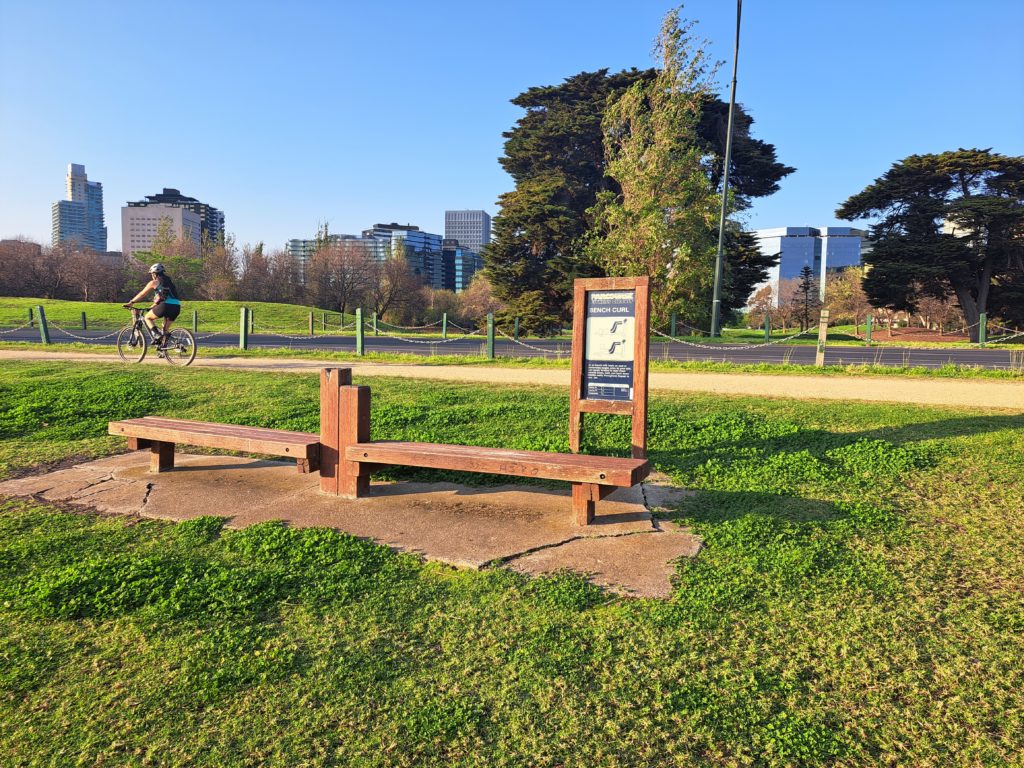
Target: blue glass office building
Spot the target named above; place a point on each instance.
(823, 249)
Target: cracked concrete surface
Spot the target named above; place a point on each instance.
(530, 530)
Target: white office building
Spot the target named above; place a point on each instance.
(471, 228)
(140, 225)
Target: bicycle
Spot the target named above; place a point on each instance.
(178, 348)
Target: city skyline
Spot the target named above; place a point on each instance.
(872, 97)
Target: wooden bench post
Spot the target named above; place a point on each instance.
(161, 457)
(584, 499)
(331, 382)
(354, 476)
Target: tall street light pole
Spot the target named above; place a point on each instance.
(716, 301)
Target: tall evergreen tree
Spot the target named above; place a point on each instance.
(555, 154)
(659, 223)
(951, 222)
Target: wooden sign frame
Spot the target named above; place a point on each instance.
(636, 408)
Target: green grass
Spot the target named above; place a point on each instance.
(213, 315)
(858, 600)
(950, 371)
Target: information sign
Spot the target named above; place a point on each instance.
(609, 354)
(608, 362)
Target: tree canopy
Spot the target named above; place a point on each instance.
(557, 156)
(949, 222)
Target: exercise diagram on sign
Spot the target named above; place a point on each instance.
(608, 362)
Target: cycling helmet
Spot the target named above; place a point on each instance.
(157, 268)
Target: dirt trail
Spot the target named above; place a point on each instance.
(971, 393)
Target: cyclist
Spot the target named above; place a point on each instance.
(166, 304)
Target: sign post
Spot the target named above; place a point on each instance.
(610, 334)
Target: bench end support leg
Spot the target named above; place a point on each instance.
(161, 457)
(351, 483)
(584, 498)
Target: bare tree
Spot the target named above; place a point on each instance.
(285, 278)
(393, 285)
(254, 280)
(786, 310)
(845, 297)
(339, 275)
(219, 279)
(939, 311)
(761, 304)
(478, 299)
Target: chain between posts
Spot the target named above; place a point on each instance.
(555, 352)
(409, 327)
(431, 341)
(66, 332)
(730, 347)
(20, 327)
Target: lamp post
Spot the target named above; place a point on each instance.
(716, 300)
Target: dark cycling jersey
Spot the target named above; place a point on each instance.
(165, 290)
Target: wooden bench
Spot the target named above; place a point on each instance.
(349, 456)
(160, 435)
(346, 456)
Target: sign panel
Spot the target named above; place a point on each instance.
(608, 359)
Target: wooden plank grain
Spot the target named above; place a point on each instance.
(641, 348)
(539, 464)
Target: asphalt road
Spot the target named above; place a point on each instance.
(777, 353)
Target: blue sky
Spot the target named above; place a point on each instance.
(287, 114)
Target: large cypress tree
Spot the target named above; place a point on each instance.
(556, 156)
(951, 222)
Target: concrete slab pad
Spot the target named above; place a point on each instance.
(458, 525)
(638, 565)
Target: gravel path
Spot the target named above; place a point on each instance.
(971, 393)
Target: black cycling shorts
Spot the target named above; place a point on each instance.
(168, 311)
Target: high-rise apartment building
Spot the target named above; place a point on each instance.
(471, 228)
(302, 250)
(141, 224)
(211, 219)
(421, 249)
(824, 250)
(79, 218)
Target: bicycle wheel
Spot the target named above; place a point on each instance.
(180, 347)
(132, 344)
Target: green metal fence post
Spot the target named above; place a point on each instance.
(252, 321)
(359, 331)
(444, 326)
(982, 328)
(767, 327)
(323, 321)
(243, 329)
(195, 321)
(867, 329)
(490, 335)
(85, 326)
(44, 329)
(672, 324)
(515, 334)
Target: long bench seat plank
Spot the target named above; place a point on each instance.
(304, 437)
(572, 467)
(298, 445)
